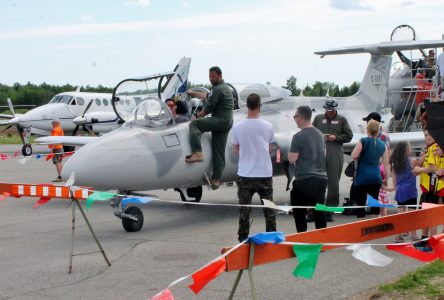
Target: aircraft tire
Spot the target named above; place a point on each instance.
(26, 150)
(193, 192)
(130, 225)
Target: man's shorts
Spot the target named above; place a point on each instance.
(57, 156)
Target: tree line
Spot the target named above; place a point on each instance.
(33, 94)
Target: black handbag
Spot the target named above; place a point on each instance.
(350, 170)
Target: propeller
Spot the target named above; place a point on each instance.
(11, 107)
(83, 117)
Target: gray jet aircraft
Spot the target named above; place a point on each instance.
(148, 151)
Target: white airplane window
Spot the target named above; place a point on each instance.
(54, 99)
(98, 102)
(105, 102)
(259, 89)
(80, 101)
(152, 113)
(66, 99)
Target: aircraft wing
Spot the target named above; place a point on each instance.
(66, 140)
(416, 139)
(384, 48)
(6, 116)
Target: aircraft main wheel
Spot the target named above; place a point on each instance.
(194, 192)
(130, 225)
(26, 150)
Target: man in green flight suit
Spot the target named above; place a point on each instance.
(219, 103)
(337, 131)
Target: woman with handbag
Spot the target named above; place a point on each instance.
(369, 150)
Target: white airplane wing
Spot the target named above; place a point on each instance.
(416, 139)
(384, 48)
(66, 140)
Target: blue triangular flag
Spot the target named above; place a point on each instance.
(273, 237)
(372, 202)
(38, 156)
(136, 200)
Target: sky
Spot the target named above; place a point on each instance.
(103, 42)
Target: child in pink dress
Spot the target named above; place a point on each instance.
(384, 197)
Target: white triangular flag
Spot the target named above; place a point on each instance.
(270, 204)
(71, 180)
(367, 254)
(23, 160)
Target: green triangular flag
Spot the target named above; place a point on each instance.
(308, 258)
(98, 196)
(322, 207)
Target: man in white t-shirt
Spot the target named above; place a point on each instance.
(440, 64)
(252, 139)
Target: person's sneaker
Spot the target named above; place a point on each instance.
(329, 217)
(194, 157)
(399, 239)
(58, 179)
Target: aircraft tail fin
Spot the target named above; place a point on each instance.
(178, 84)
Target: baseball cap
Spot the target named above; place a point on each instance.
(373, 116)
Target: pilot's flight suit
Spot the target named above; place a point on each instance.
(220, 104)
(339, 127)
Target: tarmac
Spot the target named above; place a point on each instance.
(175, 241)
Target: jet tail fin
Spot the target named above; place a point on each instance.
(178, 83)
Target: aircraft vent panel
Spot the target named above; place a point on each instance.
(171, 140)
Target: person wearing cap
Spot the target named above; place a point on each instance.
(337, 131)
(440, 64)
(57, 149)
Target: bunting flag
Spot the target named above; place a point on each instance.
(274, 237)
(4, 156)
(307, 259)
(370, 256)
(332, 209)
(135, 200)
(163, 295)
(98, 196)
(16, 153)
(67, 154)
(410, 251)
(40, 202)
(372, 202)
(38, 156)
(429, 205)
(202, 277)
(437, 243)
(23, 160)
(272, 205)
(278, 155)
(4, 196)
(49, 156)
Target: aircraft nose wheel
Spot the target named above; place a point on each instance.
(129, 224)
(26, 150)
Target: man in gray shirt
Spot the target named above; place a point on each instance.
(307, 155)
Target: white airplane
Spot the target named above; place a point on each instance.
(92, 112)
(148, 151)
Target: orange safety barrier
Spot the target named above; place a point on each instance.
(43, 191)
(355, 232)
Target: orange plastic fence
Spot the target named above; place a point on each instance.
(43, 191)
(355, 232)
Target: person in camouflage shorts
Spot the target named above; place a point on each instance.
(252, 139)
(247, 187)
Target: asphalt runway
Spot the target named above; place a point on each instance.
(176, 240)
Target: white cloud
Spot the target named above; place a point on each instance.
(186, 3)
(87, 17)
(141, 3)
(210, 43)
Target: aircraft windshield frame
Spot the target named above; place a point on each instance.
(157, 84)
